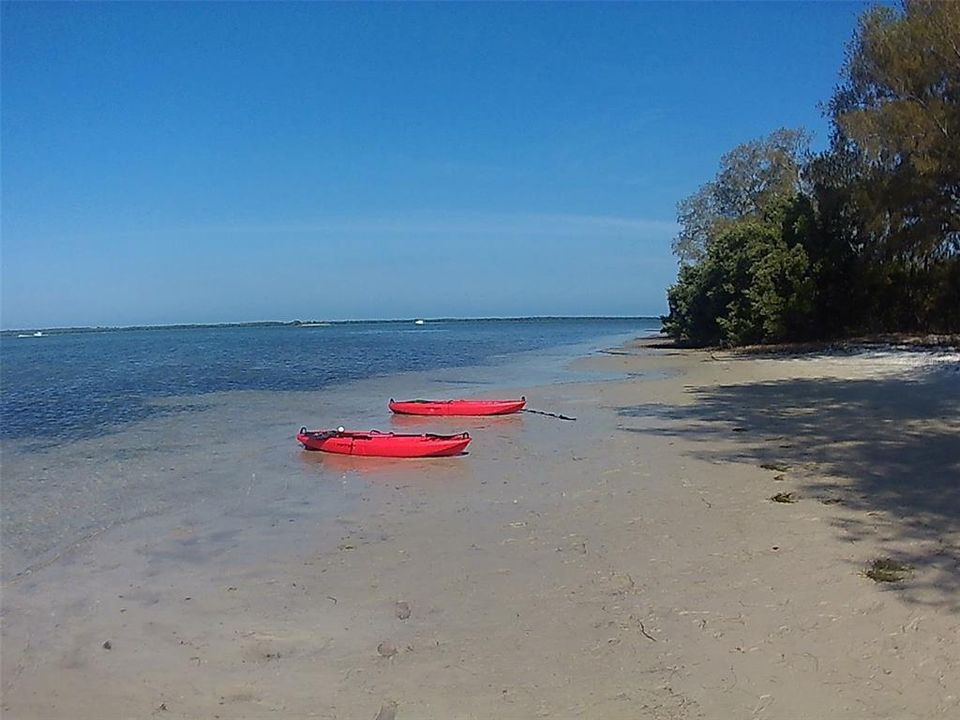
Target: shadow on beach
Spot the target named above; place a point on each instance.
(888, 447)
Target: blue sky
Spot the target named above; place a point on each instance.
(220, 162)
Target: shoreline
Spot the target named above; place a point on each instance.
(204, 431)
(630, 564)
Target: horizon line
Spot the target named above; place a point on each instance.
(298, 322)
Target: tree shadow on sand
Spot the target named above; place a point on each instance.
(888, 447)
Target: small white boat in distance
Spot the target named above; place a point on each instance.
(26, 335)
(418, 322)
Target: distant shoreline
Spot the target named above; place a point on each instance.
(311, 323)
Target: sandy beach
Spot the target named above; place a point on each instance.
(631, 564)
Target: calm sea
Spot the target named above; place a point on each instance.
(82, 384)
(142, 431)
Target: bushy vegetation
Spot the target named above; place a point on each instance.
(865, 237)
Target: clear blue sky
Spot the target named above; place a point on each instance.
(180, 162)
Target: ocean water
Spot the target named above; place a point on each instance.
(137, 433)
(79, 385)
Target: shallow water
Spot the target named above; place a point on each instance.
(221, 457)
(83, 384)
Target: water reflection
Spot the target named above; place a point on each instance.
(385, 467)
(448, 425)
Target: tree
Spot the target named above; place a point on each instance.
(697, 216)
(752, 177)
(755, 283)
(862, 238)
(898, 111)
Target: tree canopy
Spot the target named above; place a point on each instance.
(751, 176)
(863, 237)
(898, 111)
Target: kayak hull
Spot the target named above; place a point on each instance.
(374, 443)
(457, 407)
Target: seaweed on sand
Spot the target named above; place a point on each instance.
(784, 497)
(887, 570)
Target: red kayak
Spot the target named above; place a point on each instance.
(383, 444)
(457, 407)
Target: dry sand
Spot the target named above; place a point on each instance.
(627, 565)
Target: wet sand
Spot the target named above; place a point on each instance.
(627, 565)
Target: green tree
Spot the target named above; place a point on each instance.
(755, 282)
(752, 177)
(864, 237)
(898, 113)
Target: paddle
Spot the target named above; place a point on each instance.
(548, 414)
